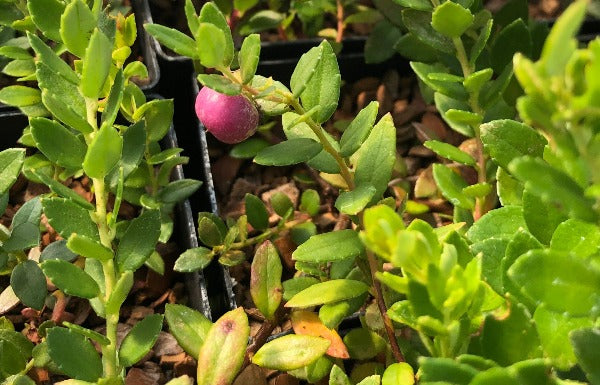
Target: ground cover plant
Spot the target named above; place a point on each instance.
(496, 295)
(91, 122)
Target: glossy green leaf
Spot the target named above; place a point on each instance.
(19, 68)
(553, 186)
(332, 314)
(119, 293)
(138, 241)
(57, 250)
(338, 377)
(305, 69)
(25, 227)
(20, 96)
(140, 339)
(70, 278)
(281, 203)
(506, 140)
(418, 23)
(193, 259)
(451, 185)
(290, 152)
(249, 148)
(66, 217)
(65, 113)
(211, 45)
(188, 326)
(76, 26)
(52, 60)
(520, 243)
(62, 190)
(310, 202)
(222, 354)
(499, 223)
(492, 251)
(542, 219)
(295, 285)
(513, 38)
(585, 343)
(364, 344)
(74, 355)
(328, 292)
(446, 103)
(211, 14)
(158, 115)
(208, 232)
(399, 373)
(11, 161)
(96, 64)
(448, 151)
(256, 211)
(577, 237)
(359, 129)
(176, 41)
(328, 247)
(11, 360)
(291, 352)
(89, 248)
(445, 370)
(57, 143)
(563, 282)
(248, 57)
(110, 111)
(377, 157)
(23, 345)
(265, 280)
(353, 202)
(46, 16)
(220, 84)
(103, 153)
(451, 19)
(29, 284)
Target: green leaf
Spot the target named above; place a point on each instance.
(506, 140)
(158, 115)
(281, 204)
(513, 38)
(451, 19)
(89, 248)
(419, 24)
(76, 26)
(261, 21)
(65, 113)
(193, 260)
(553, 186)
(211, 45)
(265, 280)
(542, 219)
(25, 227)
(176, 41)
(585, 342)
(328, 292)
(353, 202)
(509, 189)
(11, 161)
(109, 114)
(19, 68)
(248, 57)
(20, 96)
(445, 369)
(563, 282)
(359, 129)
(66, 217)
(178, 190)
(451, 185)
(305, 69)
(46, 16)
(139, 241)
(140, 339)
(383, 36)
(188, 326)
(499, 223)
(220, 84)
(291, 352)
(338, 377)
(74, 355)
(399, 373)
(553, 329)
(560, 43)
(328, 247)
(57, 143)
(323, 88)
(96, 64)
(57, 250)
(91, 334)
(70, 278)
(448, 151)
(364, 344)
(256, 211)
(29, 284)
(295, 285)
(249, 148)
(103, 153)
(290, 152)
(23, 345)
(11, 360)
(310, 202)
(577, 237)
(222, 354)
(492, 250)
(211, 14)
(119, 293)
(332, 314)
(377, 157)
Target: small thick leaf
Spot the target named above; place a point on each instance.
(499, 223)
(310, 202)
(222, 354)
(359, 129)
(305, 69)
(451, 19)
(211, 14)
(119, 293)
(103, 153)
(46, 16)
(308, 323)
(58, 143)
(328, 292)
(139, 241)
(353, 202)
(383, 36)
(140, 339)
(399, 373)
(542, 218)
(76, 26)
(418, 24)
(256, 211)
(281, 204)
(249, 148)
(448, 151)
(74, 355)
(67, 217)
(11, 360)
(57, 250)
(577, 237)
(290, 352)
(63, 191)
(65, 113)
(452, 185)
(176, 41)
(29, 284)
(265, 280)
(188, 326)
(96, 64)
(70, 278)
(328, 247)
(158, 115)
(513, 38)
(364, 344)
(248, 57)
(585, 343)
(211, 47)
(25, 227)
(220, 84)
(290, 152)
(563, 282)
(20, 96)
(295, 285)
(11, 161)
(193, 260)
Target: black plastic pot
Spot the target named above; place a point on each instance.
(13, 123)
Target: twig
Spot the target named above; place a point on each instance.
(259, 340)
(340, 22)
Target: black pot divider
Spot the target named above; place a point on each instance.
(13, 123)
(142, 16)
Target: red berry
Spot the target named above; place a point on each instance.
(231, 119)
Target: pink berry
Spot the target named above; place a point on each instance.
(231, 119)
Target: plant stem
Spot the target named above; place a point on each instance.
(387, 322)
(340, 21)
(266, 235)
